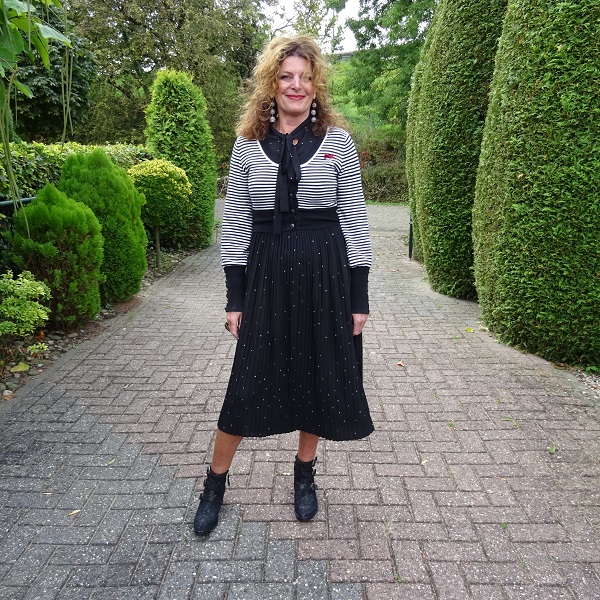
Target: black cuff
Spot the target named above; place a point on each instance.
(359, 290)
(235, 280)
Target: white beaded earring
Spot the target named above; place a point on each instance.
(272, 118)
(313, 111)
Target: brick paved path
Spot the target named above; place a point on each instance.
(454, 496)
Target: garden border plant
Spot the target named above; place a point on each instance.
(107, 189)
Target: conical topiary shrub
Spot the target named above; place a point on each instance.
(106, 188)
(536, 220)
(453, 85)
(177, 130)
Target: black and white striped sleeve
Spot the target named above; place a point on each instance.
(352, 210)
(237, 213)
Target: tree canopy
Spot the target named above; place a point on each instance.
(71, 72)
(216, 42)
(389, 36)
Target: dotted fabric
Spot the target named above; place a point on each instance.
(297, 365)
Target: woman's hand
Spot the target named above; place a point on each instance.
(358, 322)
(234, 320)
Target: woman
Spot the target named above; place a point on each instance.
(296, 252)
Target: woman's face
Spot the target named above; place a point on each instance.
(295, 91)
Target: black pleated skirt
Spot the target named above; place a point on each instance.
(297, 365)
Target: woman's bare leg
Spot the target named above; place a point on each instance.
(225, 448)
(307, 446)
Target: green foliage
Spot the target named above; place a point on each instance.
(537, 203)
(413, 148)
(42, 117)
(454, 80)
(21, 30)
(168, 199)
(389, 36)
(318, 19)
(37, 164)
(64, 250)
(179, 132)
(385, 182)
(116, 113)
(21, 304)
(106, 188)
(215, 42)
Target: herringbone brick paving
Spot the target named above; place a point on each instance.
(455, 495)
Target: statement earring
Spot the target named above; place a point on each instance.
(313, 111)
(272, 118)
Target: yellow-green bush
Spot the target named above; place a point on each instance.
(168, 200)
(22, 304)
(536, 219)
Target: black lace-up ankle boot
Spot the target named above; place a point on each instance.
(211, 499)
(305, 497)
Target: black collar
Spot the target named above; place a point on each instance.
(289, 150)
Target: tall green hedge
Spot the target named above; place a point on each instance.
(37, 164)
(536, 218)
(59, 241)
(453, 94)
(107, 189)
(413, 141)
(178, 131)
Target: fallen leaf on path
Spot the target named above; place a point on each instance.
(399, 364)
(73, 513)
(20, 368)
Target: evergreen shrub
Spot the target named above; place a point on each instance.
(178, 131)
(537, 205)
(454, 85)
(37, 164)
(385, 182)
(106, 188)
(22, 308)
(412, 146)
(64, 250)
(168, 200)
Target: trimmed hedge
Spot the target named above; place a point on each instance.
(537, 205)
(454, 82)
(168, 200)
(37, 164)
(413, 144)
(385, 182)
(59, 241)
(107, 189)
(178, 131)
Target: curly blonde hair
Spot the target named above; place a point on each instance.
(254, 121)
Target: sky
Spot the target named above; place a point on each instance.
(351, 11)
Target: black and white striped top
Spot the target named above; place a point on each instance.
(331, 178)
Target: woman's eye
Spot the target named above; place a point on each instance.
(286, 77)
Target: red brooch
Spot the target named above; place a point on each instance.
(328, 156)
